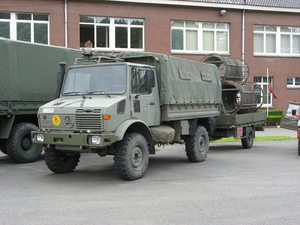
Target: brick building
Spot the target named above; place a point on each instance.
(265, 33)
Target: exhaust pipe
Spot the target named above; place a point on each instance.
(60, 78)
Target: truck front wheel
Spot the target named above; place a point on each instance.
(197, 145)
(19, 146)
(131, 157)
(61, 161)
(247, 141)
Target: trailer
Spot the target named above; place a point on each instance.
(242, 126)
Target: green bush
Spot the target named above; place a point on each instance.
(275, 113)
(274, 117)
(273, 120)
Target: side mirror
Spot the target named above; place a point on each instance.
(150, 78)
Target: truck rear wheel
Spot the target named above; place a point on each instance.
(131, 157)
(19, 146)
(61, 161)
(247, 142)
(197, 145)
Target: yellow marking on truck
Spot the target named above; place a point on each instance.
(56, 120)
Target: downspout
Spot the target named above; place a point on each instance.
(243, 35)
(66, 23)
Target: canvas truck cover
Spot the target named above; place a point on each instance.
(29, 71)
(180, 80)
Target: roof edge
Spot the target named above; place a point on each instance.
(211, 5)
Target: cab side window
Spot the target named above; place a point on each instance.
(138, 81)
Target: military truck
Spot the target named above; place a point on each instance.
(125, 104)
(28, 80)
(290, 119)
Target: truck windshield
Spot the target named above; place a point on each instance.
(95, 80)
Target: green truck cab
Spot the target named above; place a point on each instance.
(125, 104)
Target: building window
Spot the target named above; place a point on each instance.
(293, 82)
(276, 40)
(5, 25)
(198, 37)
(112, 33)
(25, 27)
(263, 83)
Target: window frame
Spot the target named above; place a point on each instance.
(293, 86)
(200, 37)
(111, 26)
(14, 21)
(294, 32)
(262, 82)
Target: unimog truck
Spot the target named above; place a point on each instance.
(28, 80)
(125, 104)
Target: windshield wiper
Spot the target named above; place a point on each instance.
(98, 93)
(75, 93)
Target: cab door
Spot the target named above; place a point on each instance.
(144, 99)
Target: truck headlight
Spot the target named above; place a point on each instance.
(39, 138)
(95, 140)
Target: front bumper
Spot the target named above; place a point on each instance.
(73, 139)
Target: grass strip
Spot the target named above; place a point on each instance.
(266, 138)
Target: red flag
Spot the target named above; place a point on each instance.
(271, 88)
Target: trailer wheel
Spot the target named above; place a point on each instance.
(197, 145)
(299, 146)
(247, 142)
(131, 157)
(19, 146)
(61, 161)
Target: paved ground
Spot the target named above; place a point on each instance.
(275, 131)
(234, 186)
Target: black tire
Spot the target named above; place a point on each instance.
(131, 157)
(299, 146)
(247, 141)
(19, 146)
(197, 145)
(61, 161)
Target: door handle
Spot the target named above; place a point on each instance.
(151, 103)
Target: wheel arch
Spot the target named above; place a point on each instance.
(135, 126)
(209, 123)
(7, 123)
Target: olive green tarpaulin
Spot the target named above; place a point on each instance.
(28, 71)
(181, 81)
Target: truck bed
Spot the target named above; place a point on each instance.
(240, 120)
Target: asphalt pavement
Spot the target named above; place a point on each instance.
(234, 186)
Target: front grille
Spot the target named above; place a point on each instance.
(88, 120)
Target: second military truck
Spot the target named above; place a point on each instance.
(28, 80)
(124, 105)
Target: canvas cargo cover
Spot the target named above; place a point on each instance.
(288, 120)
(181, 81)
(28, 71)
